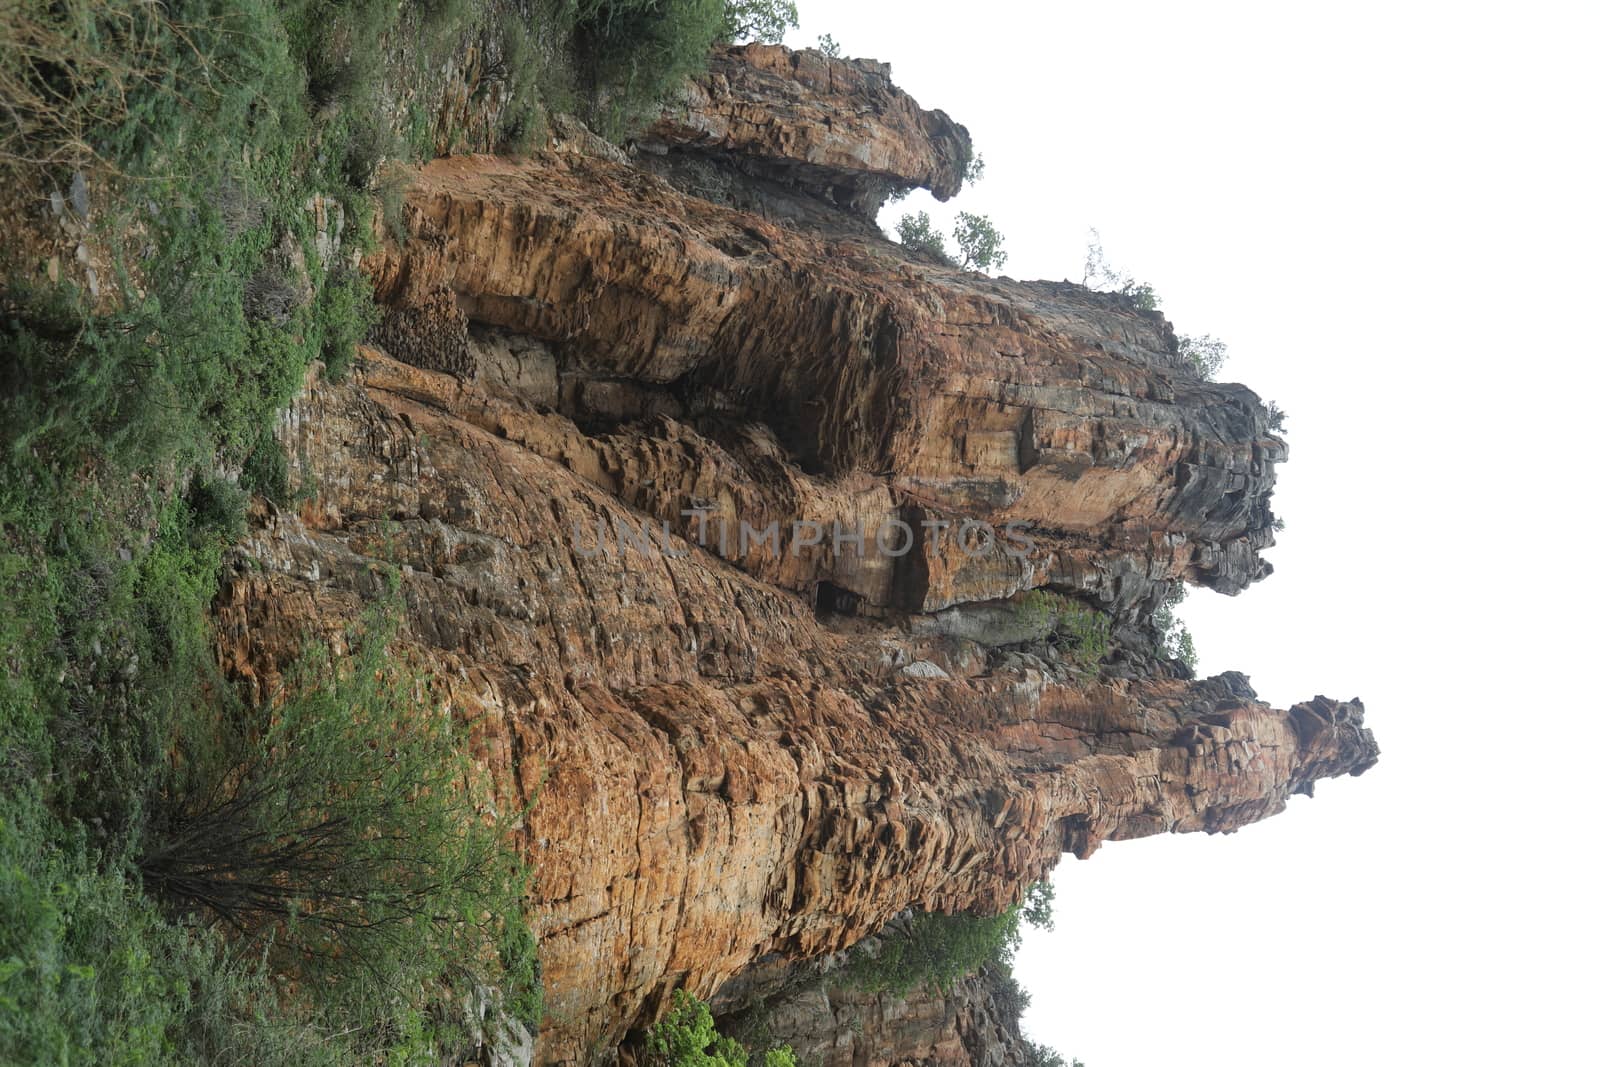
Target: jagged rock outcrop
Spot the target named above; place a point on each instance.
(974, 1023)
(748, 749)
(838, 128)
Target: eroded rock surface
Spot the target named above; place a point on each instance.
(838, 128)
(756, 751)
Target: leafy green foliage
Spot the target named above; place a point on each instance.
(935, 949)
(978, 241)
(972, 170)
(1171, 631)
(132, 777)
(1038, 905)
(340, 833)
(1205, 354)
(347, 313)
(917, 234)
(687, 1037)
(828, 46)
(759, 20)
(640, 51)
(1082, 633)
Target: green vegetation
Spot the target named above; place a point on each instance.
(935, 949)
(759, 20)
(1171, 631)
(687, 1037)
(639, 52)
(1099, 274)
(828, 46)
(977, 241)
(1081, 633)
(1205, 354)
(341, 839)
(917, 234)
(186, 876)
(972, 171)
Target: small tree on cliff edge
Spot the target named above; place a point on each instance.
(759, 20)
(916, 233)
(977, 241)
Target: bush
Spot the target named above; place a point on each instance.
(1205, 354)
(978, 241)
(347, 313)
(217, 508)
(917, 234)
(641, 51)
(934, 950)
(341, 835)
(937, 950)
(687, 1037)
(759, 20)
(1172, 634)
(92, 972)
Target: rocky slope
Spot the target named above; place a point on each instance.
(756, 748)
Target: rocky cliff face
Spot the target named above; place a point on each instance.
(764, 747)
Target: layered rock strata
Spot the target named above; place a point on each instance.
(741, 749)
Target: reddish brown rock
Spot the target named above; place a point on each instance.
(718, 775)
(836, 127)
(755, 752)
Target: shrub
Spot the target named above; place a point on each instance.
(1038, 905)
(828, 46)
(347, 313)
(917, 234)
(1205, 354)
(972, 170)
(759, 20)
(341, 834)
(1172, 634)
(934, 950)
(687, 1037)
(217, 508)
(978, 241)
(641, 51)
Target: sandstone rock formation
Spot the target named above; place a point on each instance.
(758, 750)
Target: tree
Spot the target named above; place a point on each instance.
(1275, 417)
(1038, 905)
(1098, 274)
(1205, 354)
(917, 234)
(828, 46)
(979, 243)
(1172, 633)
(972, 169)
(759, 20)
(687, 1037)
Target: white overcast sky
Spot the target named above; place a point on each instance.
(1389, 213)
